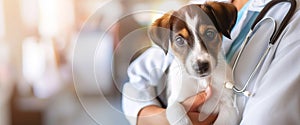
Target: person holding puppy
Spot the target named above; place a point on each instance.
(275, 95)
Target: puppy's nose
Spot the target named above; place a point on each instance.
(201, 67)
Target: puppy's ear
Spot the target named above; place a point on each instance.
(223, 15)
(159, 32)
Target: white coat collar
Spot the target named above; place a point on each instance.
(258, 5)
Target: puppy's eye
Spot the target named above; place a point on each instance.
(210, 34)
(180, 41)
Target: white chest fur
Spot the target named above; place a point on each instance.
(181, 86)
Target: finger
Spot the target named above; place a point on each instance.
(198, 101)
(208, 92)
(194, 116)
(192, 103)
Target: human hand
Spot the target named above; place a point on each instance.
(192, 105)
(151, 114)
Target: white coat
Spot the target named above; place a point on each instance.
(275, 88)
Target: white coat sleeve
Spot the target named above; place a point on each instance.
(144, 74)
(277, 98)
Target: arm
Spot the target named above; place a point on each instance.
(141, 89)
(150, 115)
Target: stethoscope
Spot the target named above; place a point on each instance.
(276, 33)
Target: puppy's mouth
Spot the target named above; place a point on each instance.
(204, 75)
(199, 76)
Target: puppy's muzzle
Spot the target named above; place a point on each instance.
(202, 68)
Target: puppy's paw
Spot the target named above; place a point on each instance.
(227, 116)
(176, 115)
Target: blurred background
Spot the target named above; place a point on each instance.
(63, 62)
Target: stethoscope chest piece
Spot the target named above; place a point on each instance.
(230, 85)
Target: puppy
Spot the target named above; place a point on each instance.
(193, 34)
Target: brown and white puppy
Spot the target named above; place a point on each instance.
(193, 34)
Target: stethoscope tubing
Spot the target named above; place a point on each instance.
(285, 21)
(272, 41)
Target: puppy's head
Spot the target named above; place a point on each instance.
(194, 33)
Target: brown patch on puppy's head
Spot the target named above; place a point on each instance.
(223, 15)
(159, 32)
(194, 33)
